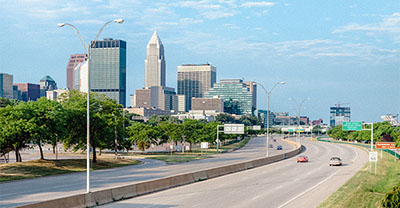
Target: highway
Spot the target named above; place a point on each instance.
(282, 184)
(46, 188)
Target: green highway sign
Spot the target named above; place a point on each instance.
(291, 130)
(352, 126)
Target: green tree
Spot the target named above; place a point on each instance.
(105, 118)
(224, 118)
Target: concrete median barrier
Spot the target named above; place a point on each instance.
(76, 201)
(132, 190)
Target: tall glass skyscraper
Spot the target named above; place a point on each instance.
(236, 96)
(338, 114)
(108, 69)
(6, 85)
(194, 81)
(154, 69)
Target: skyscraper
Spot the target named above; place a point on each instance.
(108, 69)
(74, 60)
(6, 86)
(195, 80)
(154, 73)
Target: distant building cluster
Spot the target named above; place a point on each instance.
(198, 94)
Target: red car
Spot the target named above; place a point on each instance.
(302, 158)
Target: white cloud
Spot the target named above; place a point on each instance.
(389, 25)
(258, 4)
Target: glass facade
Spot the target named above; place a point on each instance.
(108, 69)
(338, 115)
(236, 96)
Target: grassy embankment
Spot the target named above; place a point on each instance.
(365, 189)
(40, 168)
(195, 154)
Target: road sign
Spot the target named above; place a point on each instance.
(204, 145)
(291, 130)
(299, 130)
(373, 156)
(386, 145)
(233, 128)
(352, 126)
(256, 127)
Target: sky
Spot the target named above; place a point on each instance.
(331, 51)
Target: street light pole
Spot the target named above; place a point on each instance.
(298, 113)
(88, 52)
(268, 94)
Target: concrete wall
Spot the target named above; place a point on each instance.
(146, 187)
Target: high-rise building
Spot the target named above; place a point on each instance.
(29, 92)
(154, 72)
(46, 84)
(74, 60)
(16, 93)
(56, 94)
(208, 104)
(236, 96)
(6, 86)
(181, 103)
(338, 114)
(252, 86)
(194, 81)
(80, 77)
(108, 69)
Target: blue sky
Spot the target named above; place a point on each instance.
(329, 51)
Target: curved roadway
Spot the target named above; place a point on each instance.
(282, 184)
(46, 188)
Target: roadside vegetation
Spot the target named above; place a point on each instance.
(40, 168)
(365, 189)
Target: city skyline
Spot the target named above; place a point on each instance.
(334, 53)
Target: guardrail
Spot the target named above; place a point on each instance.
(393, 153)
(128, 191)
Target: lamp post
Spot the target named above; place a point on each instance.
(298, 113)
(87, 49)
(268, 94)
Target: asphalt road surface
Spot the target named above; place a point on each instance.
(282, 184)
(46, 188)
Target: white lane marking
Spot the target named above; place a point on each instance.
(308, 190)
(355, 156)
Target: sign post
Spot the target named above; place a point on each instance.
(373, 158)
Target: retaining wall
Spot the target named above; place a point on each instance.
(128, 191)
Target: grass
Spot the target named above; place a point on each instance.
(365, 189)
(195, 154)
(40, 168)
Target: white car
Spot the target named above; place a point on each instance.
(335, 161)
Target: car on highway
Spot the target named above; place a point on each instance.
(274, 140)
(279, 147)
(335, 161)
(271, 146)
(302, 158)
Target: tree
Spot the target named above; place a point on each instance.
(224, 118)
(16, 127)
(192, 131)
(105, 117)
(143, 135)
(48, 116)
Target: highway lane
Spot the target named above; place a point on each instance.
(282, 184)
(46, 188)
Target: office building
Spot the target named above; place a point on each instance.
(29, 92)
(317, 122)
(46, 84)
(263, 116)
(6, 86)
(207, 104)
(148, 112)
(154, 72)
(108, 69)
(392, 119)
(236, 96)
(74, 60)
(163, 98)
(16, 93)
(81, 77)
(194, 81)
(181, 103)
(56, 94)
(338, 114)
(252, 86)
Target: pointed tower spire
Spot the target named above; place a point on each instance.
(154, 63)
(155, 39)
